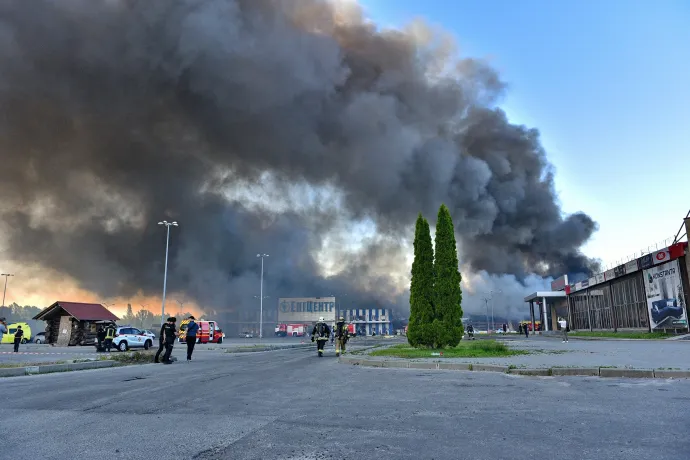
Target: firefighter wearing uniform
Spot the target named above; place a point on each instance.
(341, 336)
(109, 336)
(320, 334)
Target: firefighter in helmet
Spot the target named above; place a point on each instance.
(320, 333)
(341, 336)
(109, 336)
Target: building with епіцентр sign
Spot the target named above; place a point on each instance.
(306, 310)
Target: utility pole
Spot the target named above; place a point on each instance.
(493, 326)
(261, 294)
(6, 275)
(165, 274)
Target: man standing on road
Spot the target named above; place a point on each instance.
(18, 338)
(320, 333)
(341, 336)
(190, 338)
(100, 336)
(171, 333)
(564, 327)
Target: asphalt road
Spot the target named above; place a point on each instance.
(292, 405)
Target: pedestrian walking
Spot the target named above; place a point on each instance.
(190, 337)
(170, 335)
(18, 338)
(526, 331)
(505, 328)
(320, 334)
(564, 327)
(161, 344)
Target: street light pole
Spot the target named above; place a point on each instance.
(165, 273)
(486, 304)
(493, 325)
(6, 275)
(261, 293)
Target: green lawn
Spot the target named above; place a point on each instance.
(466, 349)
(624, 335)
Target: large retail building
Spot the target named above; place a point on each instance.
(647, 293)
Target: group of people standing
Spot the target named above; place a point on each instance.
(169, 333)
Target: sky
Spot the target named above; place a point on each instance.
(606, 83)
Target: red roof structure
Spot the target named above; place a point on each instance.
(77, 310)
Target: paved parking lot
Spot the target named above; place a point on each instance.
(292, 405)
(32, 353)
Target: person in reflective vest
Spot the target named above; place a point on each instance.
(320, 334)
(109, 336)
(341, 336)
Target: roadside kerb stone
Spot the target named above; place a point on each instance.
(455, 366)
(489, 368)
(90, 365)
(539, 372)
(12, 371)
(576, 371)
(536, 372)
(632, 373)
(670, 374)
(423, 365)
(48, 368)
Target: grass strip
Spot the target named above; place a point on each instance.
(466, 349)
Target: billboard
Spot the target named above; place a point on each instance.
(631, 266)
(665, 297)
(559, 284)
(659, 257)
(306, 309)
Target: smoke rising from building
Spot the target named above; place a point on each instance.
(261, 126)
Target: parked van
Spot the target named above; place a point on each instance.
(12, 329)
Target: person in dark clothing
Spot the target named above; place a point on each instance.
(526, 331)
(320, 334)
(190, 338)
(170, 335)
(100, 335)
(18, 338)
(505, 328)
(161, 345)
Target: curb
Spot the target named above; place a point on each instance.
(603, 372)
(51, 368)
(267, 348)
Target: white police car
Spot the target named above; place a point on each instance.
(131, 337)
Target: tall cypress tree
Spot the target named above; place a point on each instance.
(447, 297)
(419, 332)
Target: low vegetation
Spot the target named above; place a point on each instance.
(136, 357)
(465, 349)
(623, 335)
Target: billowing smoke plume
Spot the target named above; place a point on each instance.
(262, 126)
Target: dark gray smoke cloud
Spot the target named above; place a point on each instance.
(118, 113)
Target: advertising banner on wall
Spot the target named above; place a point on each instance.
(609, 274)
(631, 266)
(659, 257)
(306, 310)
(665, 297)
(600, 278)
